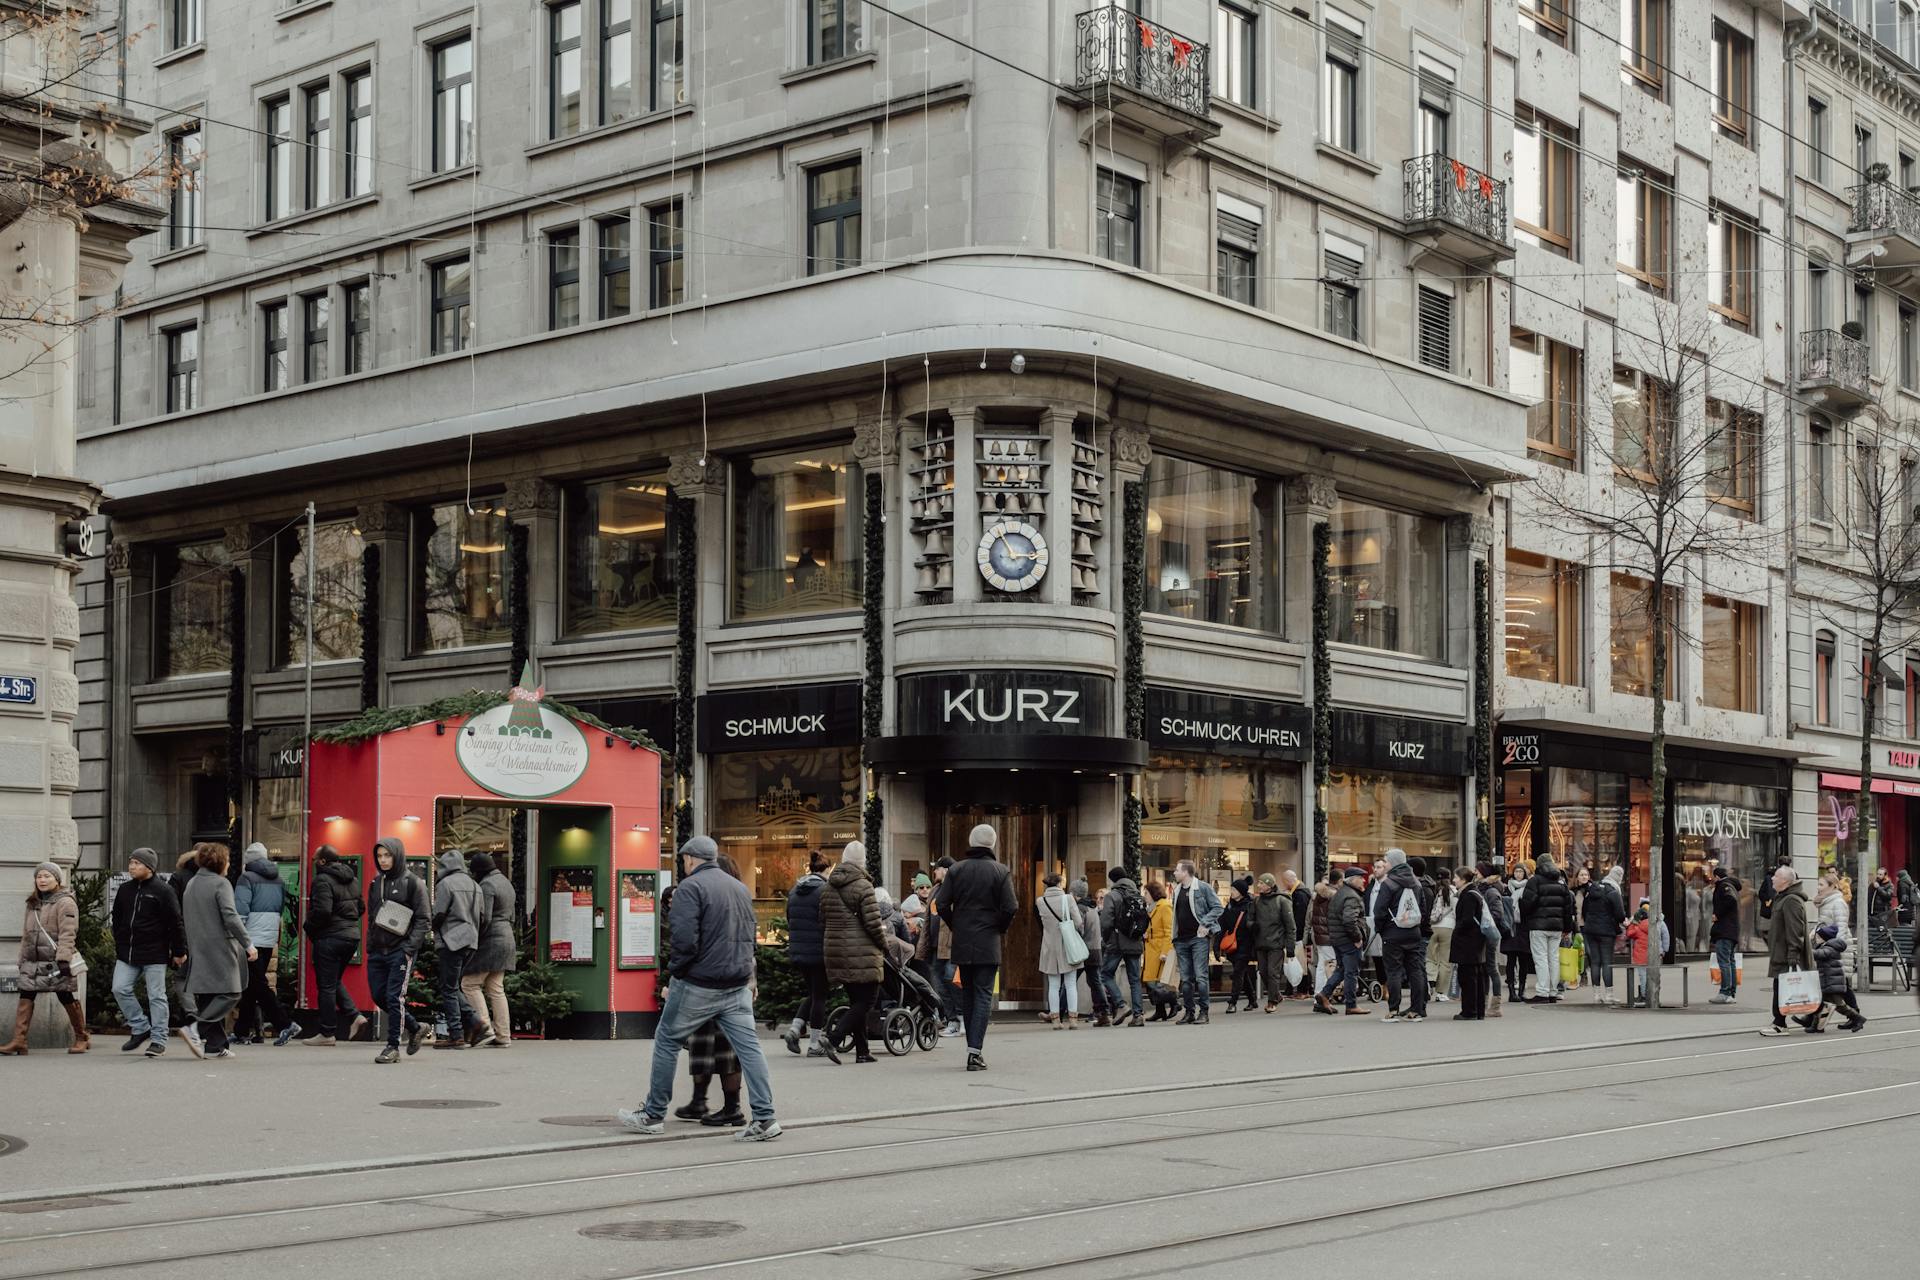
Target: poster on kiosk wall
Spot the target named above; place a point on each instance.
(639, 919)
(570, 915)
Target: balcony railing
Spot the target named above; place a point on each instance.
(1882, 208)
(1829, 358)
(1441, 189)
(1115, 47)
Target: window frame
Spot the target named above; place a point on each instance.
(1346, 290)
(1644, 33)
(1863, 147)
(662, 14)
(1732, 250)
(1236, 239)
(1558, 165)
(1342, 88)
(1635, 583)
(316, 305)
(558, 47)
(1819, 137)
(286, 589)
(357, 103)
(277, 133)
(166, 566)
(186, 208)
(1908, 319)
(1236, 25)
(1561, 369)
(316, 174)
(1731, 85)
(740, 474)
(1423, 291)
(664, 253)
(1747, 662)
(1655, 398)
(571, 495)
(1264, 576)
(186, 23)
(1742, 432)
(1109, 183)
(608, 264)
(1652, 217)
(352, 359)
(181, 371)
(420, 528)
(460, 88)
(1826, 651)
(1549, 19)
(611, 34)
(1820, 471)
(819, 215)
(276, 371)
(849, 18)
(561, 242)
(438, 303)
(1569, 612)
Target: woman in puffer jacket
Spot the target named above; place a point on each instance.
(48, 940)
(855, 936)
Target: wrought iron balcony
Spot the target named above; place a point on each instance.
(1465, 209)
(1149, 65)
(1889, 215)
(1837, 366)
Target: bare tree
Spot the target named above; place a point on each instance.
(1683, 489)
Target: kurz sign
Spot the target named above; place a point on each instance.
(521, 749)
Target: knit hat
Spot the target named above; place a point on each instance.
(1616, 874)
(1117, 873)
(983, 837)
(700, 849)
(1267, 880)
(145, 857)
(854, 852)
(1828, 932)
(53, 868)
(1396, 858)
(254, 850)
(882, 897)
(923, 881)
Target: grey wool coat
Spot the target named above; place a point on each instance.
(496, 952)
(217, 939)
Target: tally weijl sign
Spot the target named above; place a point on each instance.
(510, 754)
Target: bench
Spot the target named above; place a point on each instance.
(1889, 948)
(1666, 984)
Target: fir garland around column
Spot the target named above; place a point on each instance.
(873, 584)
(683, 514)
(236, 711)
(1134, 654)
(519, 656)
(1322, 695)
(1482, 711)
(369, 627)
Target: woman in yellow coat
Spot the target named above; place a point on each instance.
(1159, 936)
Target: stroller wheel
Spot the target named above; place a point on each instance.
(839, 1033)
(898, 1032)
(926, 1032)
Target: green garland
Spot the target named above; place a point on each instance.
(682, 514)
(236, 709)
(1133, 598)
(378, 720)
(1322, 695)
(519, 659)
(369, 627)
(1482, 711)
(873, 689)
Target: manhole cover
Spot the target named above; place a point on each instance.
(56, 1205)
(439, 1104)
(10, 1144)
(583, 1122)
(683, 1229)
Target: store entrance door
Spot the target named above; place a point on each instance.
(1029, 814)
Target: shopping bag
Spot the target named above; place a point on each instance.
(1799, 992)
(1570, 957)
(1293, 971)
(1739, 969)
(1169, 974)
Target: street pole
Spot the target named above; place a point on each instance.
(306, 742)
(1862, 898)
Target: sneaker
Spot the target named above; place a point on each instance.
(1202, 1020)
(388, 1056)
(792, 1036)
(1136, 1021)
(759, 1131)
(1718, 997)
(1415, 1017)
(414, 1035)
(195, 1045)
(319, 1042)
(221, 1053)
(1441, 999)
(134, 1041)
(359, 1023)
(952, 1029)
(976, 1062)
(287, 1033)
(1394, 1015)
(817, 1049)
(449, 1043)
(641, 1122)
(155, 1048)
(1771, 1030)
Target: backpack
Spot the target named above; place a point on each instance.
(1133, 916)
(1406, 912)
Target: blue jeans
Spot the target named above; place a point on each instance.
(976, 1002)
(943, 971)
(1723, 949)
(1109, 967)
(154, 1022)
(690, 1007)
(387, 973)
(452, 966)
(1346, 971)
(1191, 954)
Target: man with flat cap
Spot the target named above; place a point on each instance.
(976, 905)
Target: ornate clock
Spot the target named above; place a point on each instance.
(1013, 555)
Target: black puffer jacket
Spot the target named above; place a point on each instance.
(1833, 973)
(1546, 905)
(146, 923)
(854, 929)
(333, 909)
(805, 941)
(1400, 881)
(1604, 914)
(1726, 910)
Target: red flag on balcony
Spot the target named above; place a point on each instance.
(1146, 33)
(1459, 175)
(1486, 187)
(1181, 48)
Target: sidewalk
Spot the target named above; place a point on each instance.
(107, 1119)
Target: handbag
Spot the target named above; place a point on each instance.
(1293, 972)
(1488, 929)
(1570, 958)
(1229, 942)
(394, 917)
(1071, 943)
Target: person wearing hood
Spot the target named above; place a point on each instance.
(1906, 897)
(1124, 918)
(393, 940)
(146, 936)
(1493, 898)
(977, 903)
(1236, 922)
(49, 938)
(333, 927)
(260, 899)
(1273, 936)
(1546, 913)
(1789, 939)
(806, 952)
(1637, 935)
(854, 936)
(1082, 895)
(1601, 922)
(1403, 917)
(1726, 934)
(218, 950)
(1467, 949)
(1836, 990)
(1059, 971)
(460, 920)
(485, 982)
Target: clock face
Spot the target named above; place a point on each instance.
(1013, 555)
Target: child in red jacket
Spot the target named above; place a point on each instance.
(1637, 949)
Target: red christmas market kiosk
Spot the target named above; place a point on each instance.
(455, 777)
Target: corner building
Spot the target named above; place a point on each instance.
(826, 302)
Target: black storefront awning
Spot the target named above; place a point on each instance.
(998, 718)
(925, 752)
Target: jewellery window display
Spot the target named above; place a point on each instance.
(1012, 553)
(932, 471)
(1089, 512)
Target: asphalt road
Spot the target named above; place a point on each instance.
(1702, 1155)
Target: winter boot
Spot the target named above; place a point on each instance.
(22, 1020)
(81, 1041)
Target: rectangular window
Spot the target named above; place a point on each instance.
(1819, 141)
(1730, 455)
(1434, 341)
(451, 299)
(1546, 176)
(1213, 545)
(620, 565)
(1643, 45)
(460, 575)
(1861, 310)
(1237, 257)
(183, 367)
(1908, 176)
(316, 319)
(1732, 82)
(616, 265)
(1547, 19)
(563, 278)
(797, 533)
(184, 156)
(833, 217)
(1340, 82)
(1817, 296)
(1820, 470)
(563, 69)
(1235, 52)
(1387, 580)
(183, 23)
(1730, 270)
(833, 30)
(357, 302)
(1543, 618)
(1436, 110)
(1642, 423)
(278, 119)
(273, 342)
(358, 86)
(1862, 150)
(337, 593)
(317, 103)
(192, 609)
(667, 253)
(1731, 640)
(1548, 374)
(1195, 801)
(1644, 222)
(1824, 656)
(1909, 346)
(816, 791)
(1340, 292)
(616, 61)
(668, 81)
(1116, 219)
(452, 103)
(1632, 640)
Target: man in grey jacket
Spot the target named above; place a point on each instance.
(711, 928)
(1347, 935)
(460, 917)
(1119, 947)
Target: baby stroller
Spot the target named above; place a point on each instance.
(907, 1013)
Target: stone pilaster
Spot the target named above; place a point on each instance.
(535, 503)
(386, 526)
(1309, 501)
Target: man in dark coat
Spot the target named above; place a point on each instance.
(1403, 915)
(977, 904)
(1789, 943)
(1118, 947)
(1274, 934)
(146, 935)
(1726, 933)
(333, 925)
(1546, 913)
(1347, 935)
(806, 952)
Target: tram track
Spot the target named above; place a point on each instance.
(1434, 1093)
